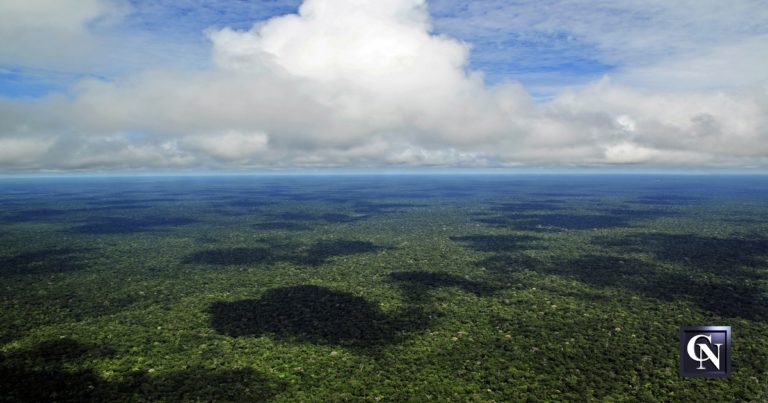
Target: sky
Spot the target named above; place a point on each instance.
(239, 85)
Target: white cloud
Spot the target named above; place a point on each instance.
(657, 44)
(230, 145)
(53, 33)
(366, 83)
(23, 152)
(626, 123)
(627, 152)
(735, 65)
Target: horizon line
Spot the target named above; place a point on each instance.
(394, 172)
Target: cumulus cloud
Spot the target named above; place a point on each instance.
(367, 83)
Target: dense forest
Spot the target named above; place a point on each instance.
(337, 288)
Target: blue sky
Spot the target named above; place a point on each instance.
(175, 27)
(543, 62)
(540, 60)
(237, 85)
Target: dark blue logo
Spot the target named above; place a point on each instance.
(705, 351)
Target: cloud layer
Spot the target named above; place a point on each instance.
(53, 33)
(367, 83)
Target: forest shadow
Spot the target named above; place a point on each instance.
(667, 200)
(723, 256)
(321, 251)
(563, 195)
(56, 352)
(366, 207)
(295, 216)
(416, 285)
(231, 256)
(548, 222)
(314, 255)
(129, 225)
(206, 239)
(338, 218)
(53, 215)
(543, 222)
(114, 207)
(42, 374)
(309, 313)
(43, 214)
(236, 207)
(496, 243)
(508, 264)
(723, 295)
(281, 225)
(45, 261)
(331, 218)
(544, 205)
(245, 203)
(114, 202)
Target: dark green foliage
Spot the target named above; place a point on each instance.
(127, 225)
(722, 255)
(313, 314)
(35, 215)
(248, 203)
(340, 218)
(234, 256)
(296, 217)
(40, 374)
(281, 225)
(528, 206)
(546, 222)
(666, 199)
(505, 264)
(123, 203)
(321, 251)
(368, 207)
(417, 284)
(496, 243)
(42, 262)
(743, 300)
(387, 288)
(314, 255)
(528, 216)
